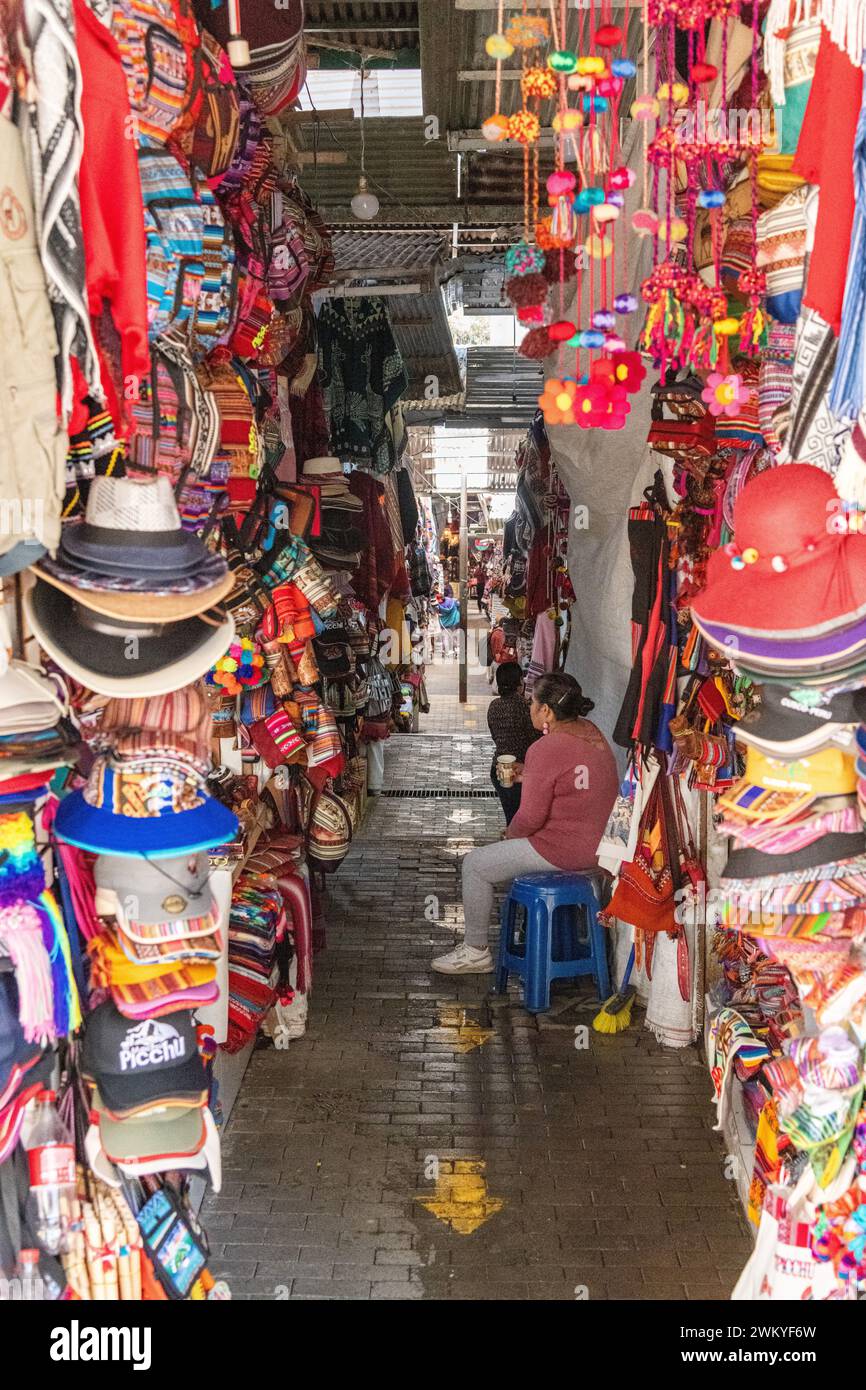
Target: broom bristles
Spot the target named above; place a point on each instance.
(615, 1015)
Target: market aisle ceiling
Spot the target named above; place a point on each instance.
(412, 168)
(426, 174)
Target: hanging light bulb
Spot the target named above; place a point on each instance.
(364, 205)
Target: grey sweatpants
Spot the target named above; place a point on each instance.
(488, 867)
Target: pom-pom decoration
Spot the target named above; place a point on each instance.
(562, 60)
(523, 259)
(557, 402)
(524, 127)
(540, 83)
(561, 181)
(567, 122)
(537, 344)
(608, 36)
(527, 30)
(591, 404)
(242, 668)
(499, 47)
(523, 290)
(629, 370)
(495, 129)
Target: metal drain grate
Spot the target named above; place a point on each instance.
(443, 794)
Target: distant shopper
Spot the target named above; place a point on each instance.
(449, 621)
(569, 784)
(479, 583)
(512, 731)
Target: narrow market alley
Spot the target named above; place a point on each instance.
(424, 1140)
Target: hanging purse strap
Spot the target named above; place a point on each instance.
(684, 830)
(670, 839)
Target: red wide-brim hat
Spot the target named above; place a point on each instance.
(788, 570)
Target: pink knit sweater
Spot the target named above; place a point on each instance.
(569, 787)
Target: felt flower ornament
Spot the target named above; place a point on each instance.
(591, 404)
(629, 370)
(724, 395)
(558, 401)
(618, 407)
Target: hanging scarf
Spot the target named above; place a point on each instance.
(847, 389)
(53, 140)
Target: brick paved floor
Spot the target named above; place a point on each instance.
(609, 1177)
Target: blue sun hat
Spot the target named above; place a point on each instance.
(153, 807)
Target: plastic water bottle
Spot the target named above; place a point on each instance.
(28, 1275)
(51, 1156)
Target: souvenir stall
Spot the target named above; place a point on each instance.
(717, 315)
(195, 593)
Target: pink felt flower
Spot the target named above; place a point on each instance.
(724, 395)
(618, 407)
(591, 404)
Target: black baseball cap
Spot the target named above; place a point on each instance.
(142, 1062)
(806, 720)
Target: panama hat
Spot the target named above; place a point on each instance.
(130, 557)
(139, 599)
(95, 650)
(788, 571)
(132, 527)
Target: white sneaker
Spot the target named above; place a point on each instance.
(464, 960)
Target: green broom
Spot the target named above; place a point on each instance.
(615, 1014)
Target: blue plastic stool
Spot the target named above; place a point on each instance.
(555, 948)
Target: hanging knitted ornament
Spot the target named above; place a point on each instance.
(524, 259)
(537, 345)
(710, 307)
(540, 83)
(563, 223)
(527, 30)
(524, 127)
(560, 264)
(548, 240)
(495, 129)
(523, 290)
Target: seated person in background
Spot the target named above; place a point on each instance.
(512, 731)
(569, 784)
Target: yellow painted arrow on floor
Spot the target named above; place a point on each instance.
(461, 1199)
(457, 1028)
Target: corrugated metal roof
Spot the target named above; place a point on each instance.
(367, 25)
(411, 175)
(423, 333)
(502, 388)
(421, 253)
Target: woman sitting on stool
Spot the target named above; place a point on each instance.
(569, 784)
